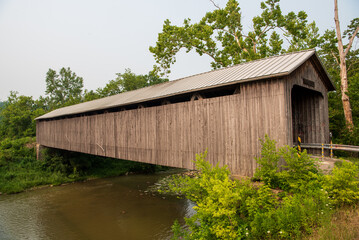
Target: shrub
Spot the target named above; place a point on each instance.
(268, 163)
(295, 217)
(299, 170)
(217, 198)
(21, 149)
(343, 185)
(231, 209)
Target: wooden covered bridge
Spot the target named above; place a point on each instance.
(225, 111)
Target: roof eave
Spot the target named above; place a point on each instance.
(174, 94)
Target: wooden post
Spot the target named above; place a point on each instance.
(331, 145)
(39, 149)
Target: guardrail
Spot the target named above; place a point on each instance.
(341, 147)
(331, 147)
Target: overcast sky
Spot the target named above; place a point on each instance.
(98, 39)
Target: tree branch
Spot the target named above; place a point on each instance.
(207, 53)
(236, 38)
(215, 4)
(335, 57)
(285, 32)
(351, 41)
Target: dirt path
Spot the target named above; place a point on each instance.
(326, 163)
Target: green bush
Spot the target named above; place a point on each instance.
(291, 202)
(217, 198)
(231, 209)
(298, 169)
(343, 184)
(268, 163)
(13, 150)
(295, 216)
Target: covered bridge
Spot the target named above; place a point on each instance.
(225, 111)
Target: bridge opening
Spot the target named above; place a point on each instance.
(307, 115)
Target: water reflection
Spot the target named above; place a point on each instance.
(116, 208)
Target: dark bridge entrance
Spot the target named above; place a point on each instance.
(307, 115)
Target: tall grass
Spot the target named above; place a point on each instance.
(343, 225)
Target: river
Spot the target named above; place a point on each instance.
(112, 208)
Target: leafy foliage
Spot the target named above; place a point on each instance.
(220, 35)
(64, 88)
(299, 170)
(269, 163)
(16, 150)
(17, 116)
(220, 202)
(129, 81)
(294, 199)
(231, 209)
(343, 184)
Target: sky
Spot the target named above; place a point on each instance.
(98, 39)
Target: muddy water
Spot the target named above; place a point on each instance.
(114, 208)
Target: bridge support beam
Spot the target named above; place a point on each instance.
(39, 151)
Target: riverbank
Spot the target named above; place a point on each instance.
(60, 168)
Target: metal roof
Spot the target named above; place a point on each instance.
(275, 66)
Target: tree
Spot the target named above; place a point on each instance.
(220, 35)
(90, 95)
(64, 88)
(17, 116)
(329, 52)
(352, 31)
(129, 81)
(329, 55)
(2, 105)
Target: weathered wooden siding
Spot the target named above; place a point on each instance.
(229, 127)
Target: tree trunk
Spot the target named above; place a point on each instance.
(345, 97)
(343, 71)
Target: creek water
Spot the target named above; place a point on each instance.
(112, 208)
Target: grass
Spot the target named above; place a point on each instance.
(16, 178)
(343, 225)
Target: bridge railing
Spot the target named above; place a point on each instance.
(331, 147)
(328, 146)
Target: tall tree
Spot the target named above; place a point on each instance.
(220, 35)
(343, 52)
(329, 55)
(64, 88)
